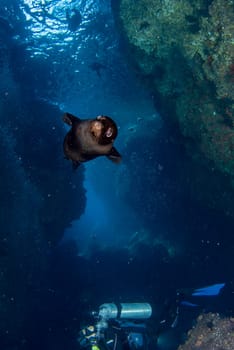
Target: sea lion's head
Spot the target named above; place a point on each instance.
(104, 129)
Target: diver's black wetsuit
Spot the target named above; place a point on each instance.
(118, 336)
(126, 336)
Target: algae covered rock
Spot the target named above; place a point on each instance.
(184, 50)
(211, 333)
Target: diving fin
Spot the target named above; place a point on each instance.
(209, 290)
(187, 303)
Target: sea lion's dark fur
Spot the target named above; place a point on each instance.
(89, 139)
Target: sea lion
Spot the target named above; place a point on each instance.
(74, 19)
(89, 139)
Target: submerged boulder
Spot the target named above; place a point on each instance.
(184, 50)
(211, 332)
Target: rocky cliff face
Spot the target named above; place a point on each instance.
(211, 332)
(184, 50)
(40, 196)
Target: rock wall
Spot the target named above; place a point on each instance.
(184, 51)
(40, 195)
(212, 332)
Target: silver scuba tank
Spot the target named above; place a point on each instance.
(125, 311)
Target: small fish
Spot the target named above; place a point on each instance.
(97, 67)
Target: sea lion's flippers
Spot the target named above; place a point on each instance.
(75, 164)
(70, 119)
(114, 155)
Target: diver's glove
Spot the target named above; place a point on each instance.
(88, 337)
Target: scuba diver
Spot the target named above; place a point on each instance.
(123, 326)
(118, 327)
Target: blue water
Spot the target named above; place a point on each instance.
(106, 232)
